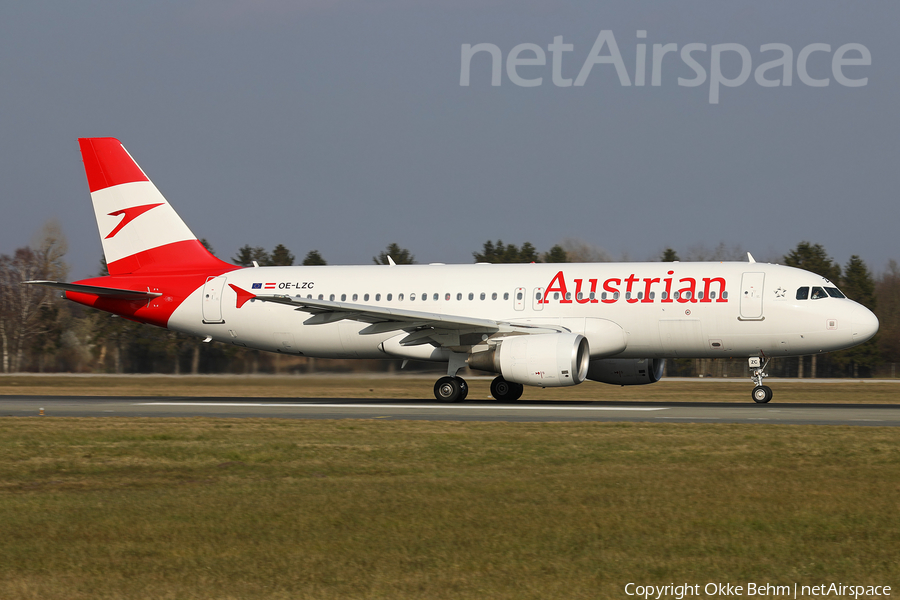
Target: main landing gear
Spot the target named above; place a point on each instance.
(506, 391)
(455, 389)
(451, 389)
(761, 393)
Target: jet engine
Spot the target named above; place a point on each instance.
(544, 360)
(626, 371)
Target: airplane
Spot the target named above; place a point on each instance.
(544, 325)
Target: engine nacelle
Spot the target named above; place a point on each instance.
(627, 371)
(545, 360)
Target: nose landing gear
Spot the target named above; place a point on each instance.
(761, 393)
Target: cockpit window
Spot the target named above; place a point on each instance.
(803, 293)
(818, 293)
(834, 292)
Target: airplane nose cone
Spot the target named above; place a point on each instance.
(864, 325)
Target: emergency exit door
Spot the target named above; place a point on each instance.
(752, 296)
(212, 299)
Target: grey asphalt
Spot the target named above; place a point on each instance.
(474, 410)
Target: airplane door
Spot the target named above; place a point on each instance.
(752, 296)
(538, 296)
(212, 299)
(520, 299)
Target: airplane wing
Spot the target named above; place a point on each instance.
(423, 327)
(97, 290)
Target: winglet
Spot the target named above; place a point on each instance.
(242, 295)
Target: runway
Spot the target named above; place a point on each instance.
(330, 408)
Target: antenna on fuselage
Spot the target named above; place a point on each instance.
(750, 258)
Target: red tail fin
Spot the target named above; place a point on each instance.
(139, 229)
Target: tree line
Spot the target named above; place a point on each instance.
(40, 332)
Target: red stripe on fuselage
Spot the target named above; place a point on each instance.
(106, 163)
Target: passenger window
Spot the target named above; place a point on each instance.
(665, 295)
(447, 297)
(506, 295)
(803, 293)
(355, 297)
(519, 296)
(424, 297)
(321, 297)
(412, 297)
(483, 295)
(471, 296)
(436, 296)
(640, 295)
(818, 293)
(343, 297)
(459, 296)
(628, 295)
(556, 295)
(537, 296)
(724, 295)
(400, 297)
(568, 295)
(712, 295)
(494, 296)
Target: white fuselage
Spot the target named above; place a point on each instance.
(665, 309)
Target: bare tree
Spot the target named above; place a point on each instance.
(25, 311)
(20, 305)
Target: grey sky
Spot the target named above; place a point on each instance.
(342, 126)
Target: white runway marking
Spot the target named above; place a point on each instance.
(408, 406)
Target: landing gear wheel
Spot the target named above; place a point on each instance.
(448, 389)
(506, 391)
(463, 388)
(762, 394)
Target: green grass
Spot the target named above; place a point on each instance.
(254, 508)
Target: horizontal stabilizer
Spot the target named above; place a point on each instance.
(98, 291)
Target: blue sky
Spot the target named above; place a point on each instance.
(341, 126)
